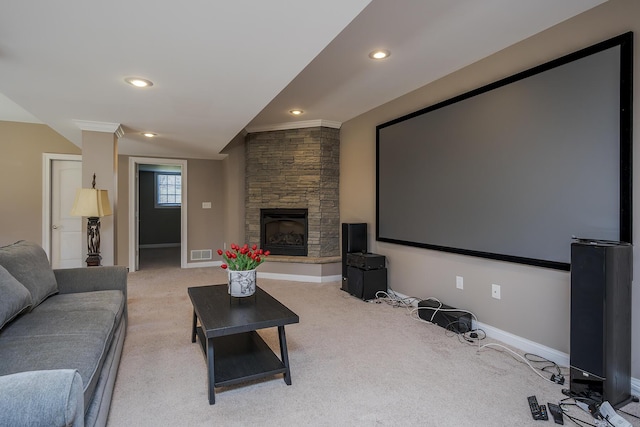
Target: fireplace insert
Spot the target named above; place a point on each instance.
(284, 231)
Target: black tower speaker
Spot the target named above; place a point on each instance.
(354, 239)
(600, 354)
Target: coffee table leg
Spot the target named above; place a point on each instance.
(211, 371)
(193, 329)
(284, 355)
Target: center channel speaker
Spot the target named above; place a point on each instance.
(600, 353)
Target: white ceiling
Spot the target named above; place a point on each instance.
(219, 67)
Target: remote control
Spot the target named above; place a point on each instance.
(543, 413)
(556, 413)
(538, 412)
(534, 407)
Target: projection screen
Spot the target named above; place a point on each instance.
(513, 170)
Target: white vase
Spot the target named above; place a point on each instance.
(242, 283)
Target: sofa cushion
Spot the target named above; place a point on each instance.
(14, 297)
(112, 301)
(28, 263)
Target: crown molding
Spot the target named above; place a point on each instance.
(114, 128)
(294, 125)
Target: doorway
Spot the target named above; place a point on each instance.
(157, 214)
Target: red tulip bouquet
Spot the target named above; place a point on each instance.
(242, 258)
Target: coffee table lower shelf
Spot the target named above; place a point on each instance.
(241, 357)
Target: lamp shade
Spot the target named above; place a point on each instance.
(91, 203)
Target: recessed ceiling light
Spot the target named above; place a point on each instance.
(296, 112)
(379, 54)
(149, 134)
(138, 82)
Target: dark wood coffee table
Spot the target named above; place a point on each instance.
(227, 327)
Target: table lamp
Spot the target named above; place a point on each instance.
(93, 204)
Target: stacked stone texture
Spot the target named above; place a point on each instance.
(295, 168)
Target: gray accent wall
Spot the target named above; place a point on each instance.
(158, 226)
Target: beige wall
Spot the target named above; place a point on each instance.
(99, 157)
(206, 184)
(535, 302)
(122, 215)
(234, 189)
(22, 145)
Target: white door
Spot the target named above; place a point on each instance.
(66, 230)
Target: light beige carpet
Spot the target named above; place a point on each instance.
(352, 364)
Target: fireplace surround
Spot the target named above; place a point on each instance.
(295, 169)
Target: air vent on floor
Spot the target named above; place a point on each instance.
(200, 254)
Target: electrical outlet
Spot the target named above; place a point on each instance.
(459, 282)
(495, 291)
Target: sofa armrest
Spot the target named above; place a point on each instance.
(42, 398)
(72, 280)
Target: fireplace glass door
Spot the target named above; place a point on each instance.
(284, 231)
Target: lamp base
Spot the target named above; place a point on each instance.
(93, 260)
(93, 241)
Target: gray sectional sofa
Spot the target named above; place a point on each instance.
(61, 339)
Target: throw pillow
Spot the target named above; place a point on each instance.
(28, 263)
(14, 297)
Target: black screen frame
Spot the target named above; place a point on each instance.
(625, 42)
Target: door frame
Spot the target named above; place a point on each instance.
(134, 231)
(47, 161)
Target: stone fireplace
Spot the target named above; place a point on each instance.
(295, 170)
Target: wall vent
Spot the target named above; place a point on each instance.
(201, 254)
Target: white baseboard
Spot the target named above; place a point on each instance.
(203, 264)
(635, 386)
(300, 278)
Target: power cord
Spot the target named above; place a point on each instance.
(577, 421)
(469, 337)
(391, 298)
(556, 377)
(524, 359)
(628, 413)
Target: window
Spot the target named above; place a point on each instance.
(168, 190)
